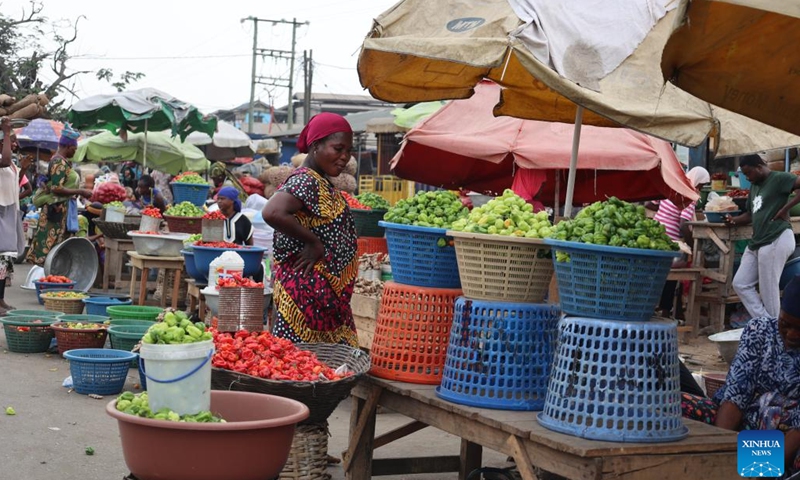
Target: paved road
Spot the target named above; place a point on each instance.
(47, 437)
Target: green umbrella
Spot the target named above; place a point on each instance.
(164, 153)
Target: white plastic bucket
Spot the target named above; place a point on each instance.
(149, 224)
(225, 266)
(178, 376)
(116, 215)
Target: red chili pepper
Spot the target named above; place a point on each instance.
(215, 215)
(152, 212)
(227, 245)
(353, 202)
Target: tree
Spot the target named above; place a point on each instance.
(23, 58)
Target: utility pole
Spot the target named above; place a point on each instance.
(308, 74)
(280, 54)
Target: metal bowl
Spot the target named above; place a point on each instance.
(75, 258)
(158, 244)
(727, 343)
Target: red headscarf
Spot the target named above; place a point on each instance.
(320, 126)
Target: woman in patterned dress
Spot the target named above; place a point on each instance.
(762, 390)
(315, 240)
(63, 183)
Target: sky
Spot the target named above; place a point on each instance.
(201, 51)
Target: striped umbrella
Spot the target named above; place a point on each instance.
(40, 133)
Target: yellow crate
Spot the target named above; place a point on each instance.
(389, 187)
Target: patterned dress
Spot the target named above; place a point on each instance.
(315, 308)
(52, 226)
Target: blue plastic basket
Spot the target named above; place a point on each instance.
(417, 257)
(500, 354)
(610, 283)
(98, 305)
(196, 193)
(616, 381)
(99, 371)
(49, 287)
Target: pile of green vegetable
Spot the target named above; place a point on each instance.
(373, 200)
(615, 223)
(508, 215)
(139, 405)
(190, 177)
(114, 204)
(184, 209)
(428, 209)
(176, 328)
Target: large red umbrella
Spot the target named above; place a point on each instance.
(465, 145)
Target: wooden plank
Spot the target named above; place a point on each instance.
(712, 466)
(521, 459)
(471, 458)
(366, 415)
(413, 466)
(366, 331)
(360, 463)
(364, 306)
(398, 433)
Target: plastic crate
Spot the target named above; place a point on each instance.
(46, 286)
(610, 283)
(412, 333)
(98, 305)
(418, 257)
(367, 222)
(616, 381)
(133, 312)
(500, 354)
(391, 188)
(99, 371)
(195, 193)
(369, 245)
(28, 334)
(496, 267)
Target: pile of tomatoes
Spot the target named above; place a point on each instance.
(227, 245)
(738, 193)
(55, 279)
(152, 212)
(264, 355)
(353, 202)
(236, 280)
(28, 329)
(215, 215)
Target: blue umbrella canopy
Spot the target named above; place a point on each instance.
(40, 133)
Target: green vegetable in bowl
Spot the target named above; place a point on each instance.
(139, 405)
(508, 215)
(184, 209)
(373, 200)
(428, 209)
(191, 178)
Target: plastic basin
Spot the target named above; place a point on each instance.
(719, 217)
(191, 267)
(158, 245)
(98, 305)
(252, 256)
(727, 343)
(254, 442)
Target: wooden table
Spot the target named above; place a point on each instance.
(196, 299)
(115, 249)
(142, 264)
(708, 452)
(720, 292)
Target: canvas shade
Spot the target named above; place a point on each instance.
(228, 142)
(742, 55)
(421, 51)
(465, 145)
(164, 153)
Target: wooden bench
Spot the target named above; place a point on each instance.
(708, 452)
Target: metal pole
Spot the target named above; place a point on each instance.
(573, 162)
(253, 75)
(290, 119)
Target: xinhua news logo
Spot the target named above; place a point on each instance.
(760, 453)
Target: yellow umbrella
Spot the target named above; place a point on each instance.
(742, 55)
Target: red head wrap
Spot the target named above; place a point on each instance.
(320, 126)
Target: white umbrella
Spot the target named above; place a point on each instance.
(229, 142)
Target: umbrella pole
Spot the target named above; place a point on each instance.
(573, 162)
(144, 157)
(556, 203)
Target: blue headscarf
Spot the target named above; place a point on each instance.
(69, 137)
(232, 194)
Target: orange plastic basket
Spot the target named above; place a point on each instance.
(412, 333)
(367, 245)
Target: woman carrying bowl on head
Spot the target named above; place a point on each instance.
(758, 278)
(315, 240)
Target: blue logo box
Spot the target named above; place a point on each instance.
(760, 453)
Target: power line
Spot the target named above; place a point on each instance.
(189, 57)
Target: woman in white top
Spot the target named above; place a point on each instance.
(238, 228)
(10, 222)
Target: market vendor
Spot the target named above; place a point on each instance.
(238, 228)
(147, 194)
(758, 278)
(315, 240)
(223, 177)
(762, 389)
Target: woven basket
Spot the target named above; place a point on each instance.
(321, 398)
(713, 381)
(70, 306)
(508, 269)
(25, 336)
(73, 338)
(240, 308)
(308, 457)
(184, 224)
(116, 230)
(367, 222)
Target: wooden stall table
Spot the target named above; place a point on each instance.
(142, 264)
(720, 292)
(115, 249)
(708, 452)
(196, 299)
(365, 315)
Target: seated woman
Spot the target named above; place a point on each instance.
(238, 228)
(762, 390)
(147, 194)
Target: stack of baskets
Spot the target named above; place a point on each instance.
(503, 337)
(417, 306)
(616, 372)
